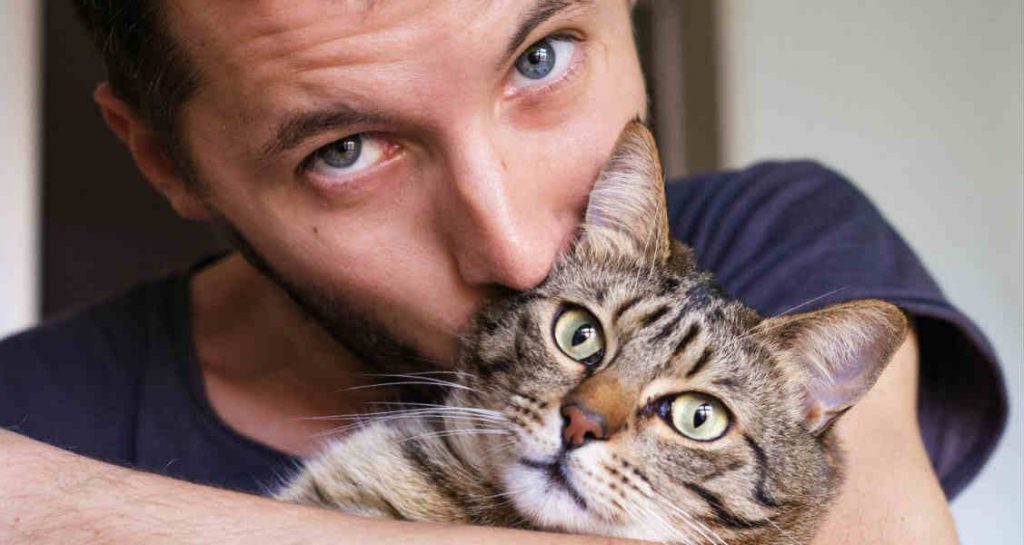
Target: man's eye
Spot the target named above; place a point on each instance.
(346, 156)
(544, 61)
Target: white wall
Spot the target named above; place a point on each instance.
(19, 132)
(920, 103)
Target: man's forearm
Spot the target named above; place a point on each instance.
(51, 496)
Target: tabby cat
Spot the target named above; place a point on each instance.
(625, 396)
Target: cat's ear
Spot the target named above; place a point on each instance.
(626, 214)
(837, 353)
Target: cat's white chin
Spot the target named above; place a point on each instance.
(549, 505)
(569, 507)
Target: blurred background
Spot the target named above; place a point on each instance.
(920, 103)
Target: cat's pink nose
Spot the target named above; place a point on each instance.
(579, 424)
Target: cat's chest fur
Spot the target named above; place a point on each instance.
(412, 470)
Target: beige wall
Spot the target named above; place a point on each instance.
(19, 99)
(920, 103)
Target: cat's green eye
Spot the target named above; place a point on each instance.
(578, 334)
(699, 417)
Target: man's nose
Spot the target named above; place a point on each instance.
(500, 231)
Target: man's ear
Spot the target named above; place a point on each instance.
(149, 154)
(836, 353)
(626, 214)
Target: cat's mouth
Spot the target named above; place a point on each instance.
(557, 477)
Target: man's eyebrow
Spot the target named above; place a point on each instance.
(298, 127)
(540, 12)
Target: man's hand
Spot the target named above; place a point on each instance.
(891, 494)
(51, 496)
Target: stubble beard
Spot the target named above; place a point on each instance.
(370, 340)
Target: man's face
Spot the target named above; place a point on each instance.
(397, 160)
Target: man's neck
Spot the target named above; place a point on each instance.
(267, 366)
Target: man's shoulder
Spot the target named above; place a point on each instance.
(764, 228)
(114, 329)
(788, 185)
(61, 378)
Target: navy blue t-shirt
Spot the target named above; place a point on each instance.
(121, 381)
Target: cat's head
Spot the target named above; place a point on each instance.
(641, 401)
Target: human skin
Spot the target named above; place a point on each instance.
(480, 182)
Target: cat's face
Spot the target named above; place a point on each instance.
(640, 401)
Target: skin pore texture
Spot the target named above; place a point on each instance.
(472, 181)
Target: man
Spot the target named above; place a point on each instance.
(384, 166)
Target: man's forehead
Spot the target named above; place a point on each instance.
(261, 60)
(352, 15)
(233, 37)
(243, 40)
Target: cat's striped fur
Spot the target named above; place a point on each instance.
(496, 451)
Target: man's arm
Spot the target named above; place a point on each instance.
(51, 496)
(891, 494)
(47, 495)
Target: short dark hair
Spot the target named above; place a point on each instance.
(146, 67)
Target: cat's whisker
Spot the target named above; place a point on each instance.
(392, 415)
(340, 430)
(495, 496)
(767, 325)
(690, 520)
(688, 517)
(810, 301)
(421, 382)
(426, 373)
(702, 528)
(632, 507)
(504, 445)
(784, 533)
(441, 414)
(370, 415)
(693, 529)
(453, 433)
(502, 448)
(694, 526)
(635, 510)
(480, 410)
(424, 376)
(442, 409)
(457, 417)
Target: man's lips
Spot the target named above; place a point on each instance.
(557, 474)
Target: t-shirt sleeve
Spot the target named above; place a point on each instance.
(794, 236)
